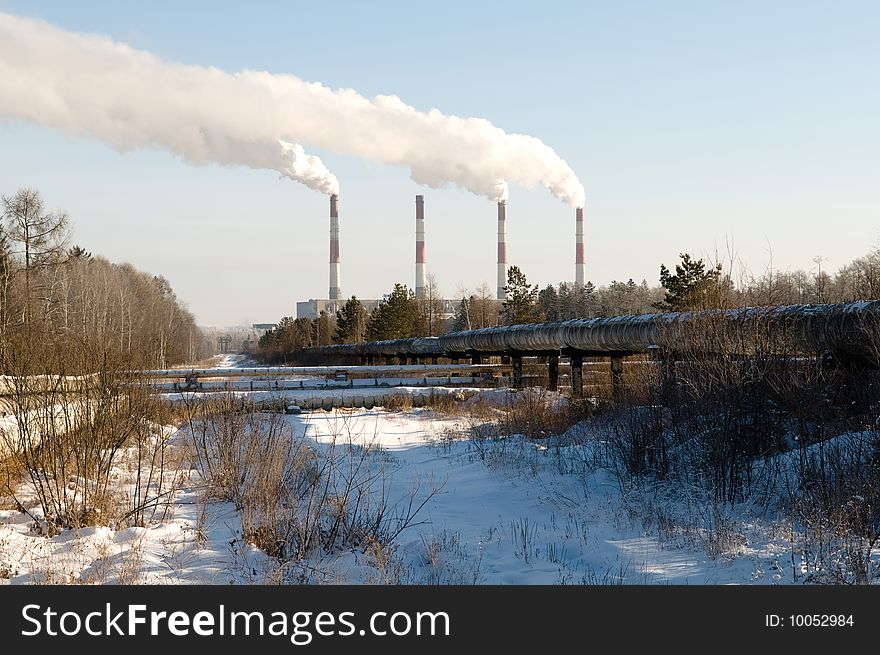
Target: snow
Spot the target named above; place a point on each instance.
(498, 510)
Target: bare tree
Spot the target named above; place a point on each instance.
(484, 307)
(37, 236)
(431, 307)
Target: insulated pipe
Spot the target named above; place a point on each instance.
(579, 265)
(335, 291)
(502, 250)
(843, 329)
(420, 246)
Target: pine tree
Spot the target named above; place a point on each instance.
(549, 300)
(78, 253)
(521, 305)
(396, 317)
(693, 286)
(351, 322)
(462, 318)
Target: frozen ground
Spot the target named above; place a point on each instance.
(499, 510)
(506, 511)
(512, 511)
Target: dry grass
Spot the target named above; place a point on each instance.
(12, 474)
(397, 403)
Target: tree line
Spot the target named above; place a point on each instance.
(691, 284)
(59, 302)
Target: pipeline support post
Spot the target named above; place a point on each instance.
(577, 375)
(668, 381)
(476, 359)
(616, 376)
(553, 372)
(516, 360)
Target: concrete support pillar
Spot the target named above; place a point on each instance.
(402, 360)
(517, 371)
(553, 372)
(616, 376)
(668, 380)
(577, 376)
(476, 359)
(389, 361)
(433, 360)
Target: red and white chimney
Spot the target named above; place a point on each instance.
(335, 291)
(502, 250)
(420, 246)
(579, 264)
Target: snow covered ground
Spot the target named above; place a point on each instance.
(514, 511)
(503, 510)
(494, 509)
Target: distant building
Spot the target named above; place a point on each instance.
(312, 308)
(264, 327)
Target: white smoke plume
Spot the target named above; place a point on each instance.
(91, 85)
(308, 169)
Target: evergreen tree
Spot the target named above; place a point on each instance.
(462, 318)
(78, 253)
(549, 300)
(521, 305)
(693, 286)
(351, 322)
(396, 317)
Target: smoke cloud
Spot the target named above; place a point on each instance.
(91, 85)
(308, 169)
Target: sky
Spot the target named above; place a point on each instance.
(745, 131)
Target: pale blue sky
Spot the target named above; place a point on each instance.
(692, 125)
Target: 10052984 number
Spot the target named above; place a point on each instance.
(821, 620)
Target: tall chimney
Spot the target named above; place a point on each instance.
(579, 265)
(420, 246)
(502, 251)
(335, 291)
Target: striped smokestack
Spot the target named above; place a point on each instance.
(335, 291)
(420, 246)
(579, 265)
(502, 251)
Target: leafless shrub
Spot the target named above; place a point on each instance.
(70, 432)
(836, 497)
(536, 413)
(298, 501)
(728, 410)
